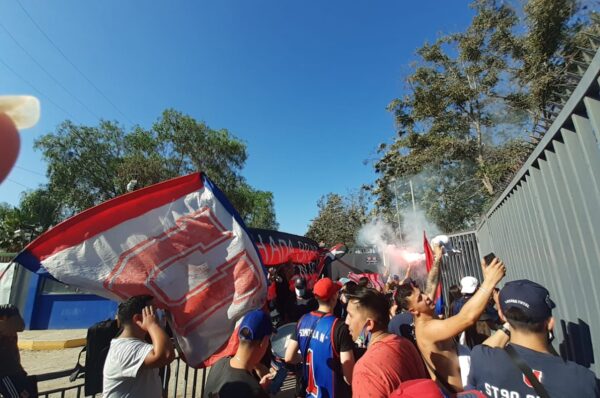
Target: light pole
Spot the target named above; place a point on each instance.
(397, 208)
(412, 195)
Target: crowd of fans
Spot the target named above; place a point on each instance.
(352, 340)
(489, 342)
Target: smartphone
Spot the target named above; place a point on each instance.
(488, 258)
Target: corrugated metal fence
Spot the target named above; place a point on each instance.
(546, 224)
(467, 263)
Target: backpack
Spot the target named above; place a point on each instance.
(99, 337)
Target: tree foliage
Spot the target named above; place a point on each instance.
(339, 219)
(471, 102)
(89, 165)
(37, 211)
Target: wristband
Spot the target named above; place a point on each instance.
(488, 291)
(505, 329)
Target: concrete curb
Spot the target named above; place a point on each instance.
(40, 345)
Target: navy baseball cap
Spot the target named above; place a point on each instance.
(255, 326)
(530, 297)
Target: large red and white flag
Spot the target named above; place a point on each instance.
(180, 241)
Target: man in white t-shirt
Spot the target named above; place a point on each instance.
(131, 367)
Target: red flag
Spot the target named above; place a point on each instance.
(375, 279)
(180, 241)
(429, 263)
(428, 253)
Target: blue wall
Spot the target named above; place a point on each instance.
(44, 310)
(70, 311)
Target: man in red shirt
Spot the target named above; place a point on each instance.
(389, 359)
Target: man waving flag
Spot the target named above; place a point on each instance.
(179, 241)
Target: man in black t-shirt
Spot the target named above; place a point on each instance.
(233, 377)
(305, 301)
(527, 307)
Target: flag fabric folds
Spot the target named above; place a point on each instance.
(376, 280)
(439, 303)
(180, 241)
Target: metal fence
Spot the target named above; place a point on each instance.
(546, 224)
(179, 380)
(466, 263)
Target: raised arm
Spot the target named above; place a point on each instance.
(433, 278)
(162, 352)
(438, 330)
(407, 275)
(501, 337)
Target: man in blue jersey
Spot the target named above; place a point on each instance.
(527, 307)
(325, 347)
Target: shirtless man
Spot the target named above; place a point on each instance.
(435, 337)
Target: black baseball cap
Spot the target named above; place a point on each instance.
(300, 283)
(530, 297)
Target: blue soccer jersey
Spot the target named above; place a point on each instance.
(322, 370)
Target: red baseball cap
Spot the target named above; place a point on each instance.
(325, 288)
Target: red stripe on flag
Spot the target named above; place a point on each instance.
(428, 253)
(105, 216)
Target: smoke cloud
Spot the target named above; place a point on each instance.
(400, 250)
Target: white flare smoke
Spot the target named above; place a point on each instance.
(399, 253)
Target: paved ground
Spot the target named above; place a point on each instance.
(46, 361)
(52, 334)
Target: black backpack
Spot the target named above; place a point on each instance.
(99, 336)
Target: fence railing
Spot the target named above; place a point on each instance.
(178, 380)
(457, 266)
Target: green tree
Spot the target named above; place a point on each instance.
(89, 165)
(470, 103)
(37, 212)
(339, 219)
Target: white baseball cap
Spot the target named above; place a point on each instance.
(468, 285)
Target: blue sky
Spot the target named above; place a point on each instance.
(304, 84)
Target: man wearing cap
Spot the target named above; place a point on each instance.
(305, 299)
(232, 377)
(527, 307)
(468, 286)
(325, 347)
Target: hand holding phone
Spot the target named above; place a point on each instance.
(488, 258)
